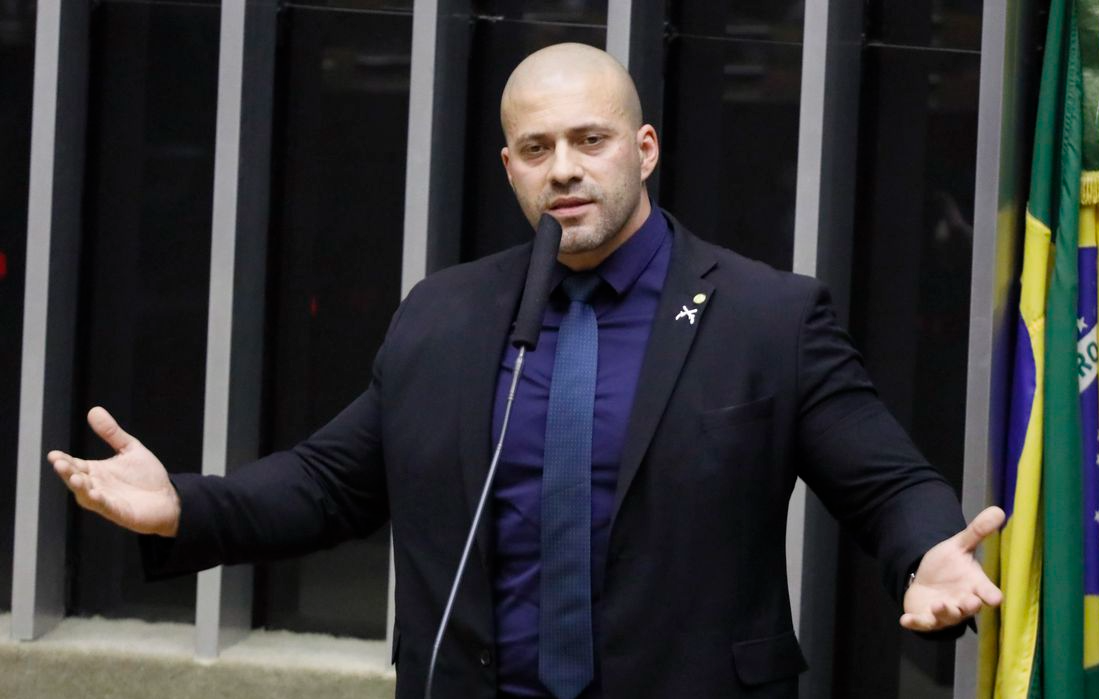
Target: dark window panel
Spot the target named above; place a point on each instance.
(913, 238)
(16, 84)
(762, 20)
(952, 24)
(493, 220)
(572, 11)
(339, 152)
(729, 162)
(910, 287)
(145, 272)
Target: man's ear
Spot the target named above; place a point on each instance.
(648, 146)
(505, 158)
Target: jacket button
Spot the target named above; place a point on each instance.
(486, 658)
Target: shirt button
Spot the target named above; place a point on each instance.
(486, 658)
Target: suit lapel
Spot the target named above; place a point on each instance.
(673, 332)
(482, 350)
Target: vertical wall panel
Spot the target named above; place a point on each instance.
(339, 155)
(49, 319)
(234, 345)
(731, 118)
(1010, 59)
(17, 85)
(827, 143)
(909, 318)
(145, 272)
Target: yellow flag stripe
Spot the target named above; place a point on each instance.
(1020, 544)
(1091, 630)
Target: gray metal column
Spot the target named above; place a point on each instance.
(619, 25)
(635, 36)
(436, 152)
(823, 228)
(1007, 93)
(436, 143)
(238, 258)
(49, 317)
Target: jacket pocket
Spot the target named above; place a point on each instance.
(737, 414)
(768, 659)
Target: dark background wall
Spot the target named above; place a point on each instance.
(910, 281)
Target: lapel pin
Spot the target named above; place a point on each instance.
(689, 313)
(699, 298)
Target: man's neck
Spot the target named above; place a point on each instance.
(590, 259)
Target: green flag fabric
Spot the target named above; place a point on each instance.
(1055, 200)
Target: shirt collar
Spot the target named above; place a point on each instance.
(624, 266)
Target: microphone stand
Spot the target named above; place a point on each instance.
(528, 325)
(476, 520)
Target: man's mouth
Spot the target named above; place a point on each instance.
(569, 206)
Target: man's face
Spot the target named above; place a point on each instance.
(573, 153)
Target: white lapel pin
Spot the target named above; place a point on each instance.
(689, 313)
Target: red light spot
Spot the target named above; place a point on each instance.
(313, 306)
(3, 265)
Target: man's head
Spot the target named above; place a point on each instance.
(577, 149)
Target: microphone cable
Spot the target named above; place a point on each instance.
(476, 522)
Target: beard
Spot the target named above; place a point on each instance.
(610, 212)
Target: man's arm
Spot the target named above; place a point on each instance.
(859, 460)
(326, 489)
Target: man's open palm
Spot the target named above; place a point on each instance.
(130, 489)
(950, 585)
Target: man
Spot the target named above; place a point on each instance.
(677, 392)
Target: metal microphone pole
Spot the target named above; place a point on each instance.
(528, 325)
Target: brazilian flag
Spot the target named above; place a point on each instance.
(1044, 640)
(1087, 352)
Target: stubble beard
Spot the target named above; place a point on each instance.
(611, 214)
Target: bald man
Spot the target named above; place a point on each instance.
(713, 382)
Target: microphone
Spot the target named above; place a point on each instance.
(528, 325)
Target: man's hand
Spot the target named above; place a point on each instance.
(950, 585)
(130, 489)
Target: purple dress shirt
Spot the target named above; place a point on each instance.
(624, 306)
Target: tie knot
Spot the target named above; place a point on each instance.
(581, 286)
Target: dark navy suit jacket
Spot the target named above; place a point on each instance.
(762, 388)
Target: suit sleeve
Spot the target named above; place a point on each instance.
(328, 488)
(858, 459)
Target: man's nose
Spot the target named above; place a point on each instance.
(566, 168)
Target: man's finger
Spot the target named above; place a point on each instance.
(946, 614)
(989, 520)
(918, 622)
(79, 483)
(108, 430)
(63, 468)
(990, 594)
(970, 605)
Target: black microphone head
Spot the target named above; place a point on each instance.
(528, 324)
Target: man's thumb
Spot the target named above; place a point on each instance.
(989, 520)
(108, 430)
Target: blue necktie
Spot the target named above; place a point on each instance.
(565, 654)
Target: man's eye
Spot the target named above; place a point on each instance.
(593, 140)
(534, 149)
